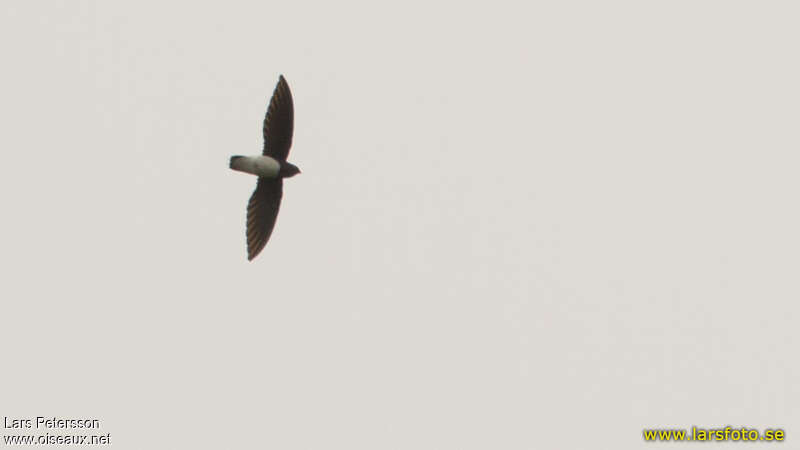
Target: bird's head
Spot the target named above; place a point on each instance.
(288, 170)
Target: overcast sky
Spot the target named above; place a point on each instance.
(517, 227)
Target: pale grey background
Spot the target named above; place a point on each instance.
(517, 227)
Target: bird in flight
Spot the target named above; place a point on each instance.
(271, 168)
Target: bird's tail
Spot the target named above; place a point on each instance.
(234, 158)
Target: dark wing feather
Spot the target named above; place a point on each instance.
(279, 122)
(262, 211)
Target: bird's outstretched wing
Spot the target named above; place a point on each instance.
(279, 122)
(262, 211)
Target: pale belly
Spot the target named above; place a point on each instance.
(260, 165)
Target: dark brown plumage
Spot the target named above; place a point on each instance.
(262, 213)
(264, 204)
(279, 122)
